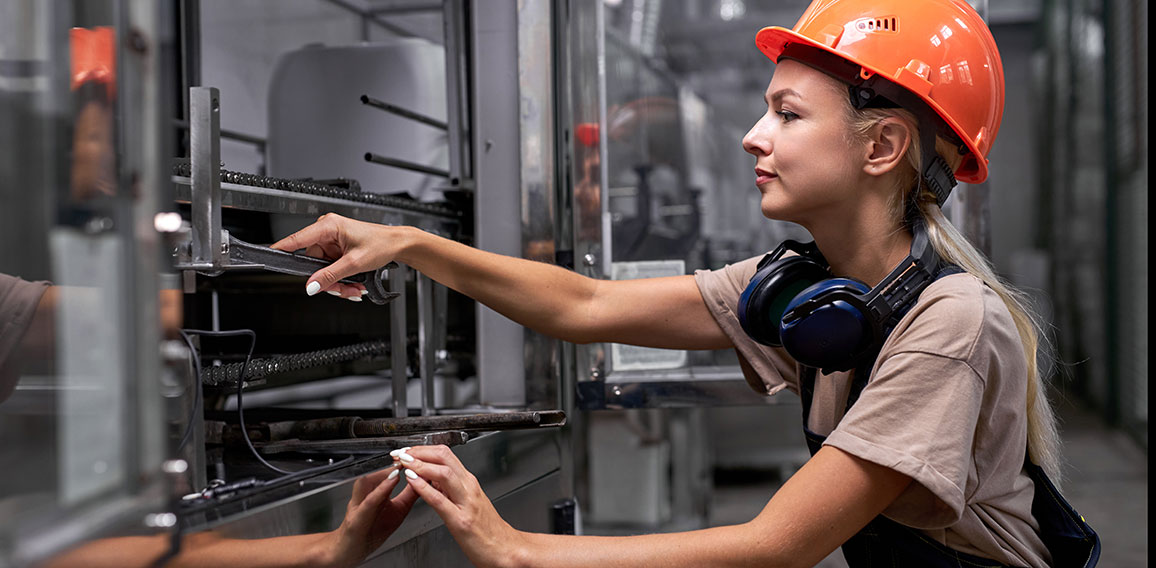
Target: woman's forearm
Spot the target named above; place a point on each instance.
(735, 545)
(546, 298)
(654, 312)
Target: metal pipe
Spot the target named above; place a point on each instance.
(397, 342)
(425, 331)
(388, 107)
(205, 172)
(454, 20)
(468, 422)
(256, 141)
(405, 165)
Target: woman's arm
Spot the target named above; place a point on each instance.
(658, 312)
(370, 518)
(825, 503)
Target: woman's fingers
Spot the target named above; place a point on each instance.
(436, 499)
(325, 278)
(405, 499)
(320, 232)
(367, 483)
(439, 466)
(362, 514)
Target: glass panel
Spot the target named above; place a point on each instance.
(68, 407)
(673, 183)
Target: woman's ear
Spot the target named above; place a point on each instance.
(887, 146)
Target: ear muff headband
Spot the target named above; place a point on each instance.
(831, 323)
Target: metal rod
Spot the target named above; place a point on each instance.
(205, 172)
(231, 134)
(425, 331)
(457, 99)
(405, 165)
(466, 422)
(388, 107)
(397, 342)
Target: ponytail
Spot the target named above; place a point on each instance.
(953, 247)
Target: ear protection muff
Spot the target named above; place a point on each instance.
(830, 323)
(777, 281)
(827, 324)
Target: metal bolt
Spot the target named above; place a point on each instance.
(589, 259)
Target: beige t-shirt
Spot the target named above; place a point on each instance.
(18, 301)
(945, 405)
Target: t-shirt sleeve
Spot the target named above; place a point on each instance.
(720, 289)
(18, 301)
(918, 414)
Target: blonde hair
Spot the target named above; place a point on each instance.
(953, 247)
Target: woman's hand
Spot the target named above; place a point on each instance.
(354, 246)
(435, 473)
(370, 518)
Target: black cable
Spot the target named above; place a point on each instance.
(241, 406)
(174, 548)
(240, 388)
(197, 387)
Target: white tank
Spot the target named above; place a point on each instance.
(319, 128)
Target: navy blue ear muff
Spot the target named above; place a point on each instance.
(831, 323)
(827, 324)
(776, 282)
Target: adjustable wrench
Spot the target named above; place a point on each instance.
(246, 255)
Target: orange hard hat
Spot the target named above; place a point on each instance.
(93, 54)
(587, 134)
(939, 50)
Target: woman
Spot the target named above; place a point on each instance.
(921, 393)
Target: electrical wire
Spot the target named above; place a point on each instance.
(240, 404)
(198, 401)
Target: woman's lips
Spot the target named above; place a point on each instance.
(763, 176)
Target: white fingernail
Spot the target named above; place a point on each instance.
(398, 451)
(393, 474)
(354, 298)
(364, 292)
(405, 457)
(313, 288)
(333, 293)
(411, 474)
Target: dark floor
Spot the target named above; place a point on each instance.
(1106, 480)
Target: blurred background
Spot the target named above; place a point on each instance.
(599, 135)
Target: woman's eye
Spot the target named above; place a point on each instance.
(787, 115)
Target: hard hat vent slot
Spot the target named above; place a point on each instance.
(886, 24)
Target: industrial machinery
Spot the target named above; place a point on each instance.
(252, 409)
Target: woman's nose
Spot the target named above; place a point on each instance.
(758, 140)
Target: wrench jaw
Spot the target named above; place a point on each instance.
(375, 285)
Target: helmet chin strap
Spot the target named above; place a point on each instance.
(934, 172)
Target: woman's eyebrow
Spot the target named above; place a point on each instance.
(782, 93)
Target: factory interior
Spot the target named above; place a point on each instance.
(187, 385)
